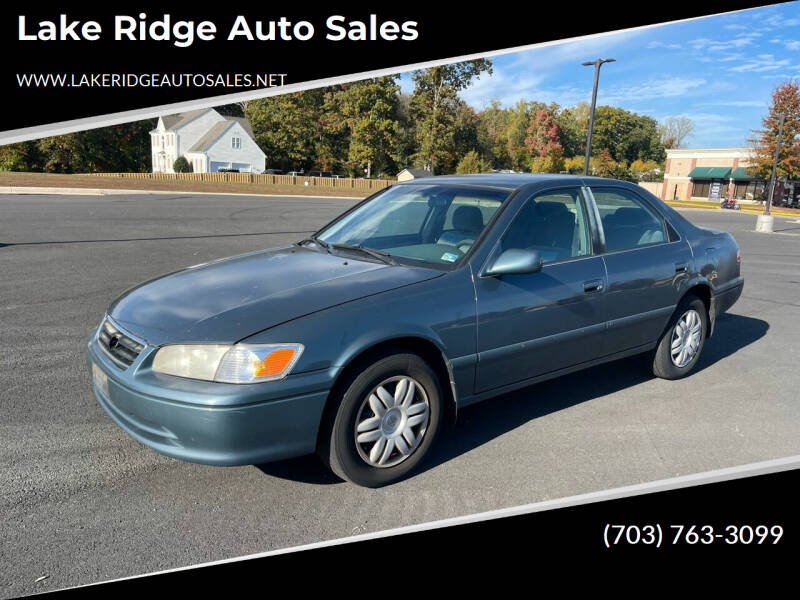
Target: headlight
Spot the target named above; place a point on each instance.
(228, 364)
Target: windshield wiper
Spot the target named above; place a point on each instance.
(315, 240)
(373, 252)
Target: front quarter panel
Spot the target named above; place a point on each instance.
(440, 311)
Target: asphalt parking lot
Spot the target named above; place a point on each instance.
(83, 502)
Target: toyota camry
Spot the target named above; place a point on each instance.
(361, 341)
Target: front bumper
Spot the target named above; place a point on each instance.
(211, 423)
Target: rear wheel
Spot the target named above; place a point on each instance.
(681, 344)
(387, 418)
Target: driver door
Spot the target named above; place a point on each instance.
(536, 323)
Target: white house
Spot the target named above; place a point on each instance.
(208, 140)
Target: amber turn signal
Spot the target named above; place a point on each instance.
(274, 363)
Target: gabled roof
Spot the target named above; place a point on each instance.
(172, 122)
(418, 172)
(218, 130)
(211, 136)
(245, 123)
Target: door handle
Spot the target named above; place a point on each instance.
(681, 267)
(593, 285)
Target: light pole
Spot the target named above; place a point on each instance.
(772, 181)
(765, 220)
(597, 64)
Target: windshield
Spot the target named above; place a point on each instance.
(430, 223)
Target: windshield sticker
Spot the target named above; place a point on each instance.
(449, 257)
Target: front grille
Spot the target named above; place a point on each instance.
(120, 346)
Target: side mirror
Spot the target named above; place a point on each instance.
(515, 261)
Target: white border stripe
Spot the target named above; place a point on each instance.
(731, 473)
(29, 133)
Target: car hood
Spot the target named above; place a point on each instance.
(233, 298)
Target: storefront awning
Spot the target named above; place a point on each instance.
(710, 173)
(742, 174)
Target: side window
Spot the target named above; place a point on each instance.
(628, 221)
(552, 223)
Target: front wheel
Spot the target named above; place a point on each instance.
(680, 346)
(386, 420)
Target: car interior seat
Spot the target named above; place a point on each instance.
(557, 227)
(467, 226)
(548, 227)
(627, 227)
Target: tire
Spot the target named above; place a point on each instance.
(669, 363)
(406, 427)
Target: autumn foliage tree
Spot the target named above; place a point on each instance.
(544, 143)
(786, 100)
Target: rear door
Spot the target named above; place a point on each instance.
(645, 260)
(536, 323)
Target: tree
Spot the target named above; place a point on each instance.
(23, 156)
(465, 138)
(543, 136)
(626, 135)
(552, 162)
(573, 126)
(786, 100)
(645, 170)
(544, 143)
(289, 129)
(674, 130)
(472, 163)
(434, 105)
(602, 164)
(406, 144)
(574, 164)
(181, 165)
(366, 111)
(118, 148)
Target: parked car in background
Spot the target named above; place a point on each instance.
(273, 172)
(320, 174)
(360, 341)
(295, 173)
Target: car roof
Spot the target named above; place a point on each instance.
(511, 181)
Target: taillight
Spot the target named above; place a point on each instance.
(738, 256)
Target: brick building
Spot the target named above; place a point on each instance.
(710, 174)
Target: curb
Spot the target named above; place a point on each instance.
(65, 191)
(748, 210)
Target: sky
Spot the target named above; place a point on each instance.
(719, 71)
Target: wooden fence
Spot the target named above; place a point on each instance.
(262, 179)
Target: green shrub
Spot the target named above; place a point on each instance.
(181, 165)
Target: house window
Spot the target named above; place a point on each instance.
(236, 143)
